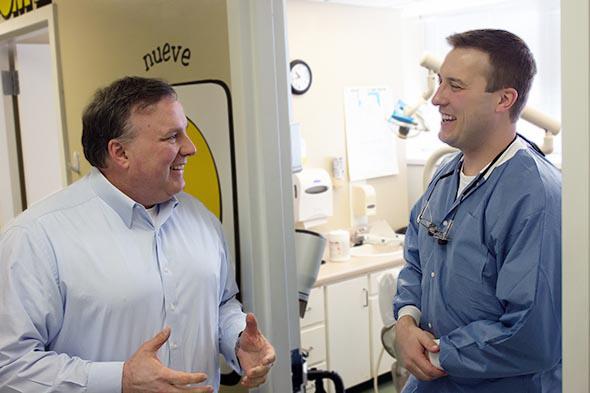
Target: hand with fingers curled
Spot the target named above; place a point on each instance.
(143, 371)
(255, 354)
(412, 346)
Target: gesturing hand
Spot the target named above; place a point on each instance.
(255, 354)
(412, 345)
(144, 372)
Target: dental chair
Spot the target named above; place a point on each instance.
(387, 290)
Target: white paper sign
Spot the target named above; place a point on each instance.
(371, 145)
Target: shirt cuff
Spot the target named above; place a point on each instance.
(230, 350)
(412, 311)
(435, 356)
(105, 377)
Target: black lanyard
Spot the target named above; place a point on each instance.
(433, 230)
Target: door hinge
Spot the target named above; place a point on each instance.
(10, 85)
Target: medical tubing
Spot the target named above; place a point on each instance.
(376, 371)
(318, 375)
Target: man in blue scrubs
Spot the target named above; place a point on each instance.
(478, 305)
(121, 282)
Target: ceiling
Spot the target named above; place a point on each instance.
(416, 7)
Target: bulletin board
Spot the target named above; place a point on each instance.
(370, 143)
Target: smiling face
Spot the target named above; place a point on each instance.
(157, 152)
(468, 112)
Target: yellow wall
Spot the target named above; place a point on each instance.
(346, 46)
(101, 41)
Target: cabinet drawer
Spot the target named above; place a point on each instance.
(313, 341)
(314, 312)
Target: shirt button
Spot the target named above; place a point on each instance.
(432, 274)
(445, 223)
(429, 325)
(166, 270)
(173, 345)
(173, 306)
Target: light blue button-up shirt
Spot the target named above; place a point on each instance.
(87, 276)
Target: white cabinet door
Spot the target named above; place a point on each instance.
(347, 320)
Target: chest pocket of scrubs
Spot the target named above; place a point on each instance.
(467, 273)
(467, 257)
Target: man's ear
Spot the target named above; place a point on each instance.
(118, 154)
(507, 99)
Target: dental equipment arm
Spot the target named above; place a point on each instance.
(426, 95)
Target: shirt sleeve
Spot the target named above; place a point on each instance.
(31, 313)
(232, 320)
(409, 287)
(527, 337)
(412, 311)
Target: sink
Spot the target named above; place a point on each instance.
(375, 250)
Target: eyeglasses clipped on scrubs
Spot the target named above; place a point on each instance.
(442, 235)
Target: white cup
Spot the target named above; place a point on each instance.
(338, 245)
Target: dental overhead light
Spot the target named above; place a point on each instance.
(407, 119)
(409, 122)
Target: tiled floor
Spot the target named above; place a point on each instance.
(385, 386)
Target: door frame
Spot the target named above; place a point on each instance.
(250, 17)
(575, 103)
(11, 30)
(260, 92)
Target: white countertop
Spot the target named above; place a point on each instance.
(332, 272)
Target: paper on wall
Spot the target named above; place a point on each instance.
(371, 146)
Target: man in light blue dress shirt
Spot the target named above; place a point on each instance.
(121, 282)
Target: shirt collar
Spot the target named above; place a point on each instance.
(122, 204)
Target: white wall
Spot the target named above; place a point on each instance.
(345, 46)
(535, 21)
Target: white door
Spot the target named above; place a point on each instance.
(39, 133)
(32, 144)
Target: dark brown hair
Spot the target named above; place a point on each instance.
(512, 63)
(107, 115)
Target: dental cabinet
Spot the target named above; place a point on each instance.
(341, 330)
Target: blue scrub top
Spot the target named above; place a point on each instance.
(492, 294)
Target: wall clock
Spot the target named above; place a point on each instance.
(300, 76)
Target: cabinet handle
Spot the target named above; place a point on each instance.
(366, 298)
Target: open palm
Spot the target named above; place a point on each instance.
(255, 354)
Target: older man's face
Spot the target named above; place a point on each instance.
(158, 152)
